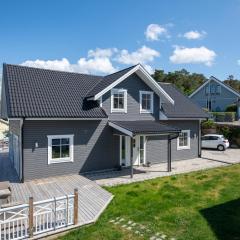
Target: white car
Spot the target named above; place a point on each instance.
(215, 141)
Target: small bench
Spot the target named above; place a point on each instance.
(5, 192)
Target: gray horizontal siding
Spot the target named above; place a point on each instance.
(93, 147)
(157, 147)
(133, 84)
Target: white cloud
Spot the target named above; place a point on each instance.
(192, 35)
(193, 55)
(143, 55)
(154, 31)
(97, 62)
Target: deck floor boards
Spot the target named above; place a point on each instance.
(92, 199)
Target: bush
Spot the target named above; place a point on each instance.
(232, 133)
(224, 116)
(208, 124)
(231, 108)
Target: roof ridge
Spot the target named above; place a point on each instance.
(121, 70)
(51, 70)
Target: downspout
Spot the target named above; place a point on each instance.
(21, 154)
(169, 167)
(199, 140)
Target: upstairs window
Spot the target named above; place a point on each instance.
(183, 141)
(213, 89)
(119, 100)
(207, 90)
(60, 148)
(218, 89)
(146, 102)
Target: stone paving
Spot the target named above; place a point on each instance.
(210, 159)
(139, 229)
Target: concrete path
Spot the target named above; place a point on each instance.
(210, 159)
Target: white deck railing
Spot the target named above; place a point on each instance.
(27, 220)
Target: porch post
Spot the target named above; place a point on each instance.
(131, 157)
(169, 167)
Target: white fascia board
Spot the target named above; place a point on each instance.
(97, 96)
(151, 82)
(145, 76)
(123, 130)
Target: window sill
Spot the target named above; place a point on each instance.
(60, 160)
(118, 111)
(183, 148)
(151, 112)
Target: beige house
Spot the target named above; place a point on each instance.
(3, 127)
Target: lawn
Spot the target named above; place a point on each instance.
(201, 205)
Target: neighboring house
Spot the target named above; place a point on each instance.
(66, 123)
(214, 95)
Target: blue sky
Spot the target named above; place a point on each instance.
(100, 37)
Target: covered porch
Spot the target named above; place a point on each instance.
(133, 136)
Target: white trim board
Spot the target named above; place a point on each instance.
(123, 130)
(219, 82)
(145, 76)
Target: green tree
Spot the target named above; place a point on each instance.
(183, 80)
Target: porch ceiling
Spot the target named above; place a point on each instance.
(132, 128)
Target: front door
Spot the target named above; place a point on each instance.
(125, 154)
(139, 150)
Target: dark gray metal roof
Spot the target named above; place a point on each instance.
(146, 127)
(107, 80)
(34, 92)
(183, 106)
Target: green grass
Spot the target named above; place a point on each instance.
(201, 205)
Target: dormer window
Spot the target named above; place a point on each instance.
(146, 102)
(119, 100)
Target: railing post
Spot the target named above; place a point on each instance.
(30, 217)
(75, 206)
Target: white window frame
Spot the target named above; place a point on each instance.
(140, 101)
(60, 160)
(119, 110)
(189, 139)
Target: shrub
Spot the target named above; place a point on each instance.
(208, 124)
(231, 108)
(232, 133)
(224, 116)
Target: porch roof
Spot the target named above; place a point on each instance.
(132, 128)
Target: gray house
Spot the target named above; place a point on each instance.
(66, 123)
(214, 95)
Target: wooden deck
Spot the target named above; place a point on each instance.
(92, 199)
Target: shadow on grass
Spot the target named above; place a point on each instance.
(224, 219)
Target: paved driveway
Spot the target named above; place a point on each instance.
(210, 159)
(228, 156)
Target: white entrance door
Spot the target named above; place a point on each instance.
(125, 154)
(139, 150)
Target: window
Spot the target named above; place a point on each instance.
(213, 89)
(207, 90)
(119, 100)
(60, 148)
(146, 102)
(218, 89)
(183, 141)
